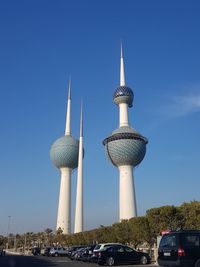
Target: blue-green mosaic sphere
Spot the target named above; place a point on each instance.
(125, 147)
(64, 152)
(123, 94)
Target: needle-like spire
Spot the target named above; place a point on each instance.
(122, 76)
(68, 128)
(81, 120)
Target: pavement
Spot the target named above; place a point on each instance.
(40, 261)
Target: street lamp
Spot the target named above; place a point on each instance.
(9, 218)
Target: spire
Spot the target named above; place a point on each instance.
(67, 128)
(122, 76)
(81, 120)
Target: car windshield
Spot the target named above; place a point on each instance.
(168, 241)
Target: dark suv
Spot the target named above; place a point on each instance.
(180, 248)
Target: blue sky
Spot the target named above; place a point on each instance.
(42, 43)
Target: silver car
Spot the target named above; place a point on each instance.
(58, 251)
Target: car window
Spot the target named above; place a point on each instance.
(120, 249)
(111, 249)
(191, 240)
(107, 246)
(97, 247)
(168, 241)
(127, 249)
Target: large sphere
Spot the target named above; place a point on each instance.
(125, 147)
(123, 94)
(64, 152)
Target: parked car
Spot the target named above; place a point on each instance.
(87, 253)
(98, 248)
(35, 251)
(2, 252)
(72, 250)
(58, 251)
(120, 254)
(77, 254)
(45, 251)
(180, 248)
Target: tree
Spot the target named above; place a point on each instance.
(165, 217)
(191, 215)
(140, 231)
(122, 232)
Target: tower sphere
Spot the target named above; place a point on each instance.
(64, 152)
(123, 94)
(125, 146)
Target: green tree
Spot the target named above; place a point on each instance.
(191, 215)
(140, 231)
(122, 232)
(165, 217)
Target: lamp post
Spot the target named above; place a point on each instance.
(9, 218)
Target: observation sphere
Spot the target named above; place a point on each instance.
(125, 146)
(64, 152)
(123, 94)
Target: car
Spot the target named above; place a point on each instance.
(121, 254)
(35, 251)
(87, 253)
(71, 250)
(2, 252)
(103, 245)
(180, 248)
(45, 251)
(77, 254)
(58, 251)
(98, 248)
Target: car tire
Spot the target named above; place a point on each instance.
(110, 261)
(143, 260)
(197, 263)
(56, 254)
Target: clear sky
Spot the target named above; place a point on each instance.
(42, 43)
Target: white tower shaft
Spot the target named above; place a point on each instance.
(123, 115)
(78, 227)
(64, 206)
(68, 122)
(127, 198)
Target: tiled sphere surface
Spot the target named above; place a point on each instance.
(123, 94)
(64, 152)
(125, 147)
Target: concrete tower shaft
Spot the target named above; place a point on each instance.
(78, 226)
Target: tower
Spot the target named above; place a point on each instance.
(64, 155)
(78, 225)
(125, 148)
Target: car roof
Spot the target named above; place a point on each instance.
(183, 231)
(103, 244)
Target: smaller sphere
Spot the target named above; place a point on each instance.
(64, 152)
(123, 94)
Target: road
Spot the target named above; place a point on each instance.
(39, 261)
